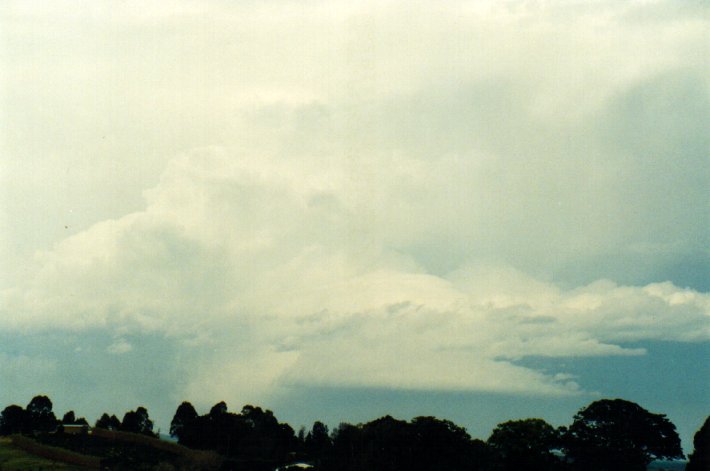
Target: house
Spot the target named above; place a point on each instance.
(294, 467)
(76, 429)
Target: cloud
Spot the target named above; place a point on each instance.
(119, 347)
(266, 269)
(399, 195)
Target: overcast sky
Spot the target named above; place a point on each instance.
(341, 209)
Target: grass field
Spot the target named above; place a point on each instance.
(15, 459)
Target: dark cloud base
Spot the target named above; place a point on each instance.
(83, 374)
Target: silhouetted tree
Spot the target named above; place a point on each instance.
(13, 419)
(250, 439)
(265, 438)
(69, 417)
(183, 418)
(218, 409)
(440, 445)
(346, 453)
(699, 459)
(388, 444)
(40, 415)
(137, 422)
(108, 423)
(614, 434)
(317, 442)
(524, 444)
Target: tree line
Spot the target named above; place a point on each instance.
(606, 435)
(38, 418)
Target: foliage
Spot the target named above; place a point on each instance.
(69, 418)
(607, 435)
(108, 423)
(317, 442)
(251, 438)
(614, 434)
(39, 414)
(425, 443)
(184, 417)
(13, 420)
(699, 460)
(524, 444)
(137, 422)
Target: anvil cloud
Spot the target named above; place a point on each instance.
(395, 195)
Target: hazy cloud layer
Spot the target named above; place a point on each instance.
(400, 195)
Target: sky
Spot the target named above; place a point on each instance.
(337, 210)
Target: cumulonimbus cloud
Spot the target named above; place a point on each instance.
(280, 259)
(427, 193)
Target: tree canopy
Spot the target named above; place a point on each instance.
(606, 435)
(40, 415)
(13, 420)
(184, 417)
(137, 422)
(614, 434)
(699, 460)
(108, 423)
(525, 444)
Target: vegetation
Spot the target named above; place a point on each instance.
(13, 458)
(613, 435)
(525, 444)
(607, 435)
(699, 459)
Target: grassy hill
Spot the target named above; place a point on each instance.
(13, 458)
(101, 449)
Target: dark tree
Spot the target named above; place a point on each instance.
(40, 414)
(317, 442)
(108, 423)
(699, 460)
(614, 434)
(252, 439)
(442, 445)
(265, 438)
(69, 418)
(184, 416)
(13, 419)
(524, 444)
(388, 444)
(138, 422)
(218, 409)
(347, 448)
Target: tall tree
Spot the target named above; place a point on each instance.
(138, 422)
(524, 444)
(699, 459)
(108, 423)
(183, 418)
(69, 418)
(40, 414)
(13, 419)
(218, 409)
(614, 434)
(318, 442)
(441, 445)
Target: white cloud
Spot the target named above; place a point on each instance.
(119, 347)
(269, 266)
(408, 195)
